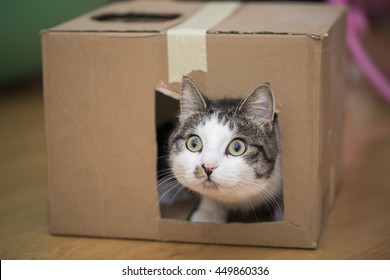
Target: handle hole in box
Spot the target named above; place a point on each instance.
(136, 17)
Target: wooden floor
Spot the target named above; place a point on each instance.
(358, 226)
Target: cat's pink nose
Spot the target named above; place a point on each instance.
(208, 169)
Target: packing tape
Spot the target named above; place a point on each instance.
(187, 41)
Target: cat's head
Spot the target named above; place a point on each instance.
(225, 149)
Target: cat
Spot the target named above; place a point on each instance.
(228, 151)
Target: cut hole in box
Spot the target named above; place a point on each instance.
(176, 201)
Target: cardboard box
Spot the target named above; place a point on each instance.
(100, 75)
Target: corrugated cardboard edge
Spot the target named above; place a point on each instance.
(174, 230)
(329, 173)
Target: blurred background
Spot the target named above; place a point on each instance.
(21, 21)
(22, 142)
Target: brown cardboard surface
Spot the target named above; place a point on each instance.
(100, 132)
(100, 108)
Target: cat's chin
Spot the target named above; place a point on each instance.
(204, 187)
(209, 184)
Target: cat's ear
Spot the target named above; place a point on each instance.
(191, 99)
(260, 103)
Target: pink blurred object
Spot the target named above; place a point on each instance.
(358, 23)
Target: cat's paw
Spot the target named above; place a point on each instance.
(205, 216)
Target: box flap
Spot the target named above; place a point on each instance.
(249, 18)
(281, 18)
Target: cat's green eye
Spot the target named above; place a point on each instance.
(194, 143)
(236, 148)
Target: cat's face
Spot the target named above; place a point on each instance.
(225, 149)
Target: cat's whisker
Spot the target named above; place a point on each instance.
(277, 175)
(261, 196)
(269, 198)
(248, 200)
(160, 186)
(163, 173)
(280, 196)
(178, 190)
(164, 170)
(168, 189)
(155, 159)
